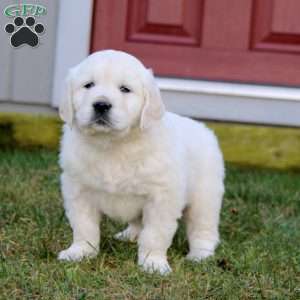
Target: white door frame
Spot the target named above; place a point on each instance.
(72, 42)
(194, 98)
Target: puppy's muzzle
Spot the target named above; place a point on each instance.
(101, 111)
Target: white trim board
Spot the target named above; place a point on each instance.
(194, 98)
(232, 101)
(229, 89)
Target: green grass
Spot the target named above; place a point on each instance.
(259, 257)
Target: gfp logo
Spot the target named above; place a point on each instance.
(24, 30)
(17, 10)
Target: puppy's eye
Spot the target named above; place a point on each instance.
(124, 89)
(89, 85)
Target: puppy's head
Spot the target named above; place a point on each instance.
(110, 91)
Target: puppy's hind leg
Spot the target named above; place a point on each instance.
(131, 233)
(202, 219)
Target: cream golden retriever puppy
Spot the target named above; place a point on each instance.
(123, 156)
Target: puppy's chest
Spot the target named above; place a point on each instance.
(114, 174)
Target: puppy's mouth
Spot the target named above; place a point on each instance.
(101, 121)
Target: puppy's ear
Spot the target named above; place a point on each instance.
(154, 108)
(66, 109)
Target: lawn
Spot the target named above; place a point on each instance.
(259, 257)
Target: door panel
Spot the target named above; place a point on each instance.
(229, 40)
(158, 12)
(153, 22)
(276, 26)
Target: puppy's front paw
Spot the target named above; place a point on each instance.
(77, 252)
(201, 249)
(153, 263)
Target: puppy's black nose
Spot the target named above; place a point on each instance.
(102, 107)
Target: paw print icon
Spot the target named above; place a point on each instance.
(24, 31)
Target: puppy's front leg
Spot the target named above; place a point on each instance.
(159, 226)
(84, 219)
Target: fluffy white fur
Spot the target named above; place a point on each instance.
(148, 167)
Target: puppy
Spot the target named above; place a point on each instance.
(123, 156)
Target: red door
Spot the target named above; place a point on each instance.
(230, 40)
